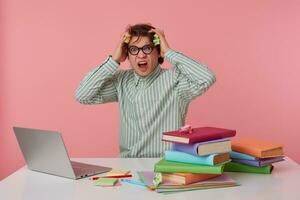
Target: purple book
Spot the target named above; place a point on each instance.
(193, 148)
(259, 162)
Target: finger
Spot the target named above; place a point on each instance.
(152, 30)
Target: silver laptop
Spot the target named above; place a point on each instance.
(44, 151)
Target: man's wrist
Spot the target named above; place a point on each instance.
(115, 59)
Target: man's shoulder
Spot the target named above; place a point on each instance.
(167, 71)
(124, 74)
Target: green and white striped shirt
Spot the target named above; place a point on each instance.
(148, 105)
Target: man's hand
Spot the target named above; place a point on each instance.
(120, 52)
(164, 46)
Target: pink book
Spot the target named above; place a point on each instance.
(198, 135)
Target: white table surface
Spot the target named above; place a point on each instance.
(283, 183)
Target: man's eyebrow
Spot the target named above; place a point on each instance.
(139, 47)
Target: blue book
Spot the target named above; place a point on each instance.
(204, 148)
(238, 155)
(259, 162)
(213, 159)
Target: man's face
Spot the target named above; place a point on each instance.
(143, 62)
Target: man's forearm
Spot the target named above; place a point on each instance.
(94, 80)
(192, 69)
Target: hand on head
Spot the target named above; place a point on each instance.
(120, 53)
(164, 46)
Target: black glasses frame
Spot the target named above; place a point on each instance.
(143, 48)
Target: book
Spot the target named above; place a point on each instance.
(239, 167)
(170, 166)
(220, 181)
(197, 187)
(198, 135)
(186, 178)
(213, 159)
(237, 155)
(259, 162)
(257, 148)
(204, 148)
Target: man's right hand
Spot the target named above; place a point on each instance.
(120, 52)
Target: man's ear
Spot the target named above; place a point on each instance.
(160, 60)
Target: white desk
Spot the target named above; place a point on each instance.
(283, 183)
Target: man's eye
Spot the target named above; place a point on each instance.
(147, 48)
(133, 49)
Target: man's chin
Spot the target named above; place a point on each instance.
(143, 74)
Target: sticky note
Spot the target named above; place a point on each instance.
(156, 40)
(106, 181)
(117, 172)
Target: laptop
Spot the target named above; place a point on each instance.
(45, 151)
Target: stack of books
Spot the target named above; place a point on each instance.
(254, 156)
(197, 155)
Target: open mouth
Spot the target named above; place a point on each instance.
(143, 65)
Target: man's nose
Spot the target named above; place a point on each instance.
(141, 54)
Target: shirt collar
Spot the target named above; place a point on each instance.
(148, 79)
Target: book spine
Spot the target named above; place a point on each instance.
(200, 169)
(255, 163)
(246, 150)
(238, 167)
(183, 157)
(238, 155)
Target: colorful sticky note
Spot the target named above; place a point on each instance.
(117, 172)
(106, 181)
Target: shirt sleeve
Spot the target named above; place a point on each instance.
(192, 78)
(99, 85)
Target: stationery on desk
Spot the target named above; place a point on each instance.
(111, 177)
(254, 156)
(106, 182)
(212, 159)
(169, 166)
(134, 182)
(167, 186)
(197, 160)
(204, 148)
(118, 172)
(200, 134)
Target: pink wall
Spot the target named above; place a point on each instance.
(47, 47)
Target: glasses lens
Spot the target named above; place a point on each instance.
(133, 50)
(147, 49)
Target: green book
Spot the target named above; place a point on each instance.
(239, 167)
(170, 166)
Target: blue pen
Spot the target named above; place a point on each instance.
(133, 182)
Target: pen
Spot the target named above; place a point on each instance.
(119, 176)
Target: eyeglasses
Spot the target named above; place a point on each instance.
(134, 50)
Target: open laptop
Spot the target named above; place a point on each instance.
(45, 151)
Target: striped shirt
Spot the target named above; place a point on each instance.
(148, 105)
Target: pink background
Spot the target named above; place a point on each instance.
(48, 46)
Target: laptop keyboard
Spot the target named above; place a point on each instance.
(83, 170)
(82, 165)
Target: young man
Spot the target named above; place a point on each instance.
(151, 99)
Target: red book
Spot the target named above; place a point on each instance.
(201, 134)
